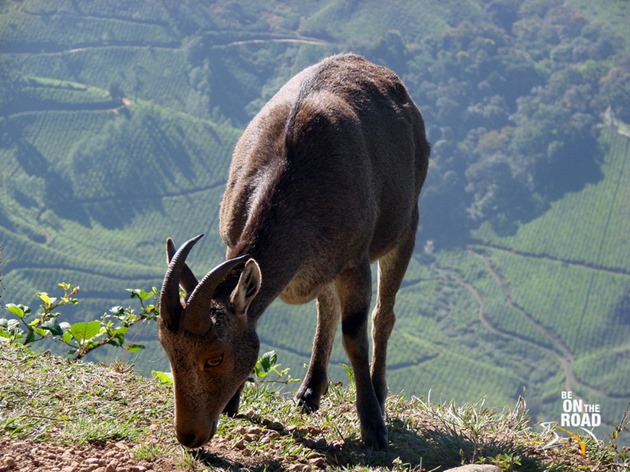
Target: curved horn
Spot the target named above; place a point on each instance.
(170, 306)
(199, 301)
(188, 280)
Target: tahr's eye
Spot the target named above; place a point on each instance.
(213, 361)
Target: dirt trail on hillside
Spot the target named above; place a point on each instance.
(288, 39)
(57, 49)
(559, 349)
(482, 313)
(550, 258)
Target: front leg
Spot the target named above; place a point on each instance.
(315, 383)
(354, 288)
(231, 409)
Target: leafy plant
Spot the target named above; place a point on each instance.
(349, 372)
(82, 337)
(268, 364)
(29, 327)
(505, 461)
(165, 378)
(613, 452)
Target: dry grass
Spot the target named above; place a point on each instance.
(48, 403)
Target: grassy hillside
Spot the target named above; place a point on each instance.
(85, 415)
(565, 276)
(117, 120)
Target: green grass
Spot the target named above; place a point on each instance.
(564, 287)
(49, 398)
(52, 402)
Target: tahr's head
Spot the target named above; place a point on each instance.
(210, 343)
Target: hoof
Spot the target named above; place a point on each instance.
(375, 436)
(307, 400)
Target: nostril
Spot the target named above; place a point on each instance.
(186, 439)
(193, 438)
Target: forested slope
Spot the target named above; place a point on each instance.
(117, 120)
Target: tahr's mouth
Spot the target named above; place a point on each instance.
(193, 441)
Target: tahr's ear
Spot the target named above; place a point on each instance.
(247, 287)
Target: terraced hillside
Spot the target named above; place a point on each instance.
(117, 120)
(566, 278)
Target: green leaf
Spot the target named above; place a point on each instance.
(117, 311)
(44, 297)
(265, 364)
(42, 333)
(10, 325)
(350, 372)
(52, 326)
(260, 373)
(268, 360)
(18, 310)
(164, 377)
(10, 329)
(67, 337)
(149, 310)
(117, 340)
(84, 330)
(134, 347)
(141, 294)
(30, 337)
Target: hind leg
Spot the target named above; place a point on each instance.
(391, 270)
(354, 286)
(315, 383)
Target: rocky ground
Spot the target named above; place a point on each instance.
(18, 456)
(27, 455)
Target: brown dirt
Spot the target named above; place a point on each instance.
(27, 455)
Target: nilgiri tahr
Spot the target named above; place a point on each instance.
(324, 181)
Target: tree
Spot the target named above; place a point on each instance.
(616, 88)
(390, 50)
(115, 91)
(10, 84)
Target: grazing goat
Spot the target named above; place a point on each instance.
(324, 180)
